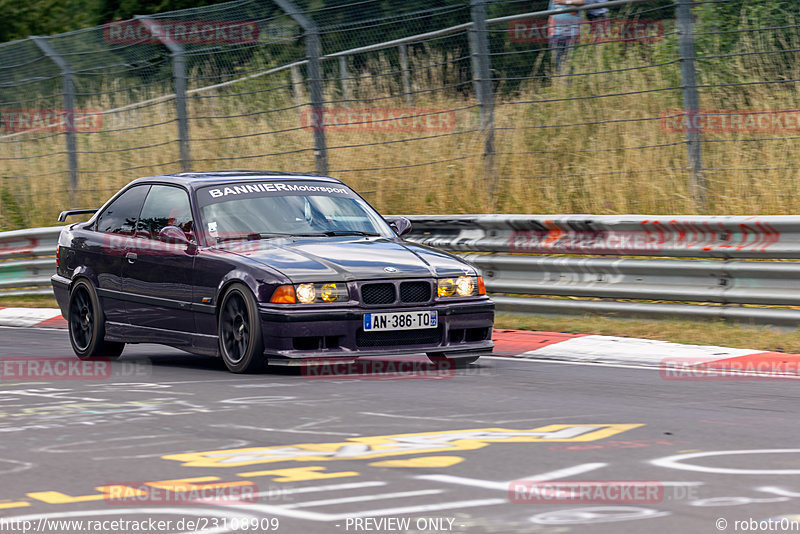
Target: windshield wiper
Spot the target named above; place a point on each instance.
(252, 236)
(332, 233)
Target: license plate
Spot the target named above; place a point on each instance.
(415, 320)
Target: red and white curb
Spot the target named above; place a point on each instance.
(670, 357)
(551, 346)
(32, 318)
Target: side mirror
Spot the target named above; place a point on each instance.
(173, 235)
(401, 226)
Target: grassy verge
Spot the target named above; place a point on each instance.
(34, 301)
(691, 332)
(595, 142)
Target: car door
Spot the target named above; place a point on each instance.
(156, 275)
(102, 253)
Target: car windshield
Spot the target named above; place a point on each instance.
(254, 210)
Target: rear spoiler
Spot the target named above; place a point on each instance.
(64, 214)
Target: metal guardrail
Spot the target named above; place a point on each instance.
(27, 261)
(687, 266)
(544, 257)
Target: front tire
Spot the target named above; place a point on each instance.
(240, 342)
(87, 324)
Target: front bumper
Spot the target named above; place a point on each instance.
(465, 328)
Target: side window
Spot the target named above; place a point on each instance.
(120, 216)
(165, 206)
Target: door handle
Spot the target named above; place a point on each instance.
(131, 257)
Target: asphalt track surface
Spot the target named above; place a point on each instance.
(390, 452)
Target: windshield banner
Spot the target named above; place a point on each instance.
(222, 193)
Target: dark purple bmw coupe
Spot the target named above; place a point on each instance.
(262, 267)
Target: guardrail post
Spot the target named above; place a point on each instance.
(68, 87)
(179, 79)
(406, 74)
(691, 104)
(479, 43)
(315, 79)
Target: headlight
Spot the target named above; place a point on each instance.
(310, 293)
(306, 293)
(447, 286)
(331, 292)
(463, 286)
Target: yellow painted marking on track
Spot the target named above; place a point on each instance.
(399, 444)
(424, 461)
(299, 474)
(16, 504)
(190, 484)
(107, 493)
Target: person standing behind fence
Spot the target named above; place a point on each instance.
(564, 29)
(599, 13)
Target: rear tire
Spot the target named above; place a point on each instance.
(87, 323)
(239, 327)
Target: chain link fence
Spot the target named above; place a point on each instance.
(654, 106)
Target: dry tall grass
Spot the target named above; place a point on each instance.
(558, 151)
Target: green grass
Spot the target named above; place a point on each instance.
(34, 301)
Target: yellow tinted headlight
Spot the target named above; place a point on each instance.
(463, 286)
(446, 287)
(310, 293)
(330, 292)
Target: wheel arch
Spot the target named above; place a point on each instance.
(235, 277)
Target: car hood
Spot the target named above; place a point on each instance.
(348, 258)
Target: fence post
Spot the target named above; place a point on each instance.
(482, 77)
(406, 74)
(315, 79)
(344, 77)
(68, 87)
(691, 104)
(179, 78)
(297, 85)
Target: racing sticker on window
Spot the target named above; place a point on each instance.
(222, 193)
(399, 444)
(212, 228)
